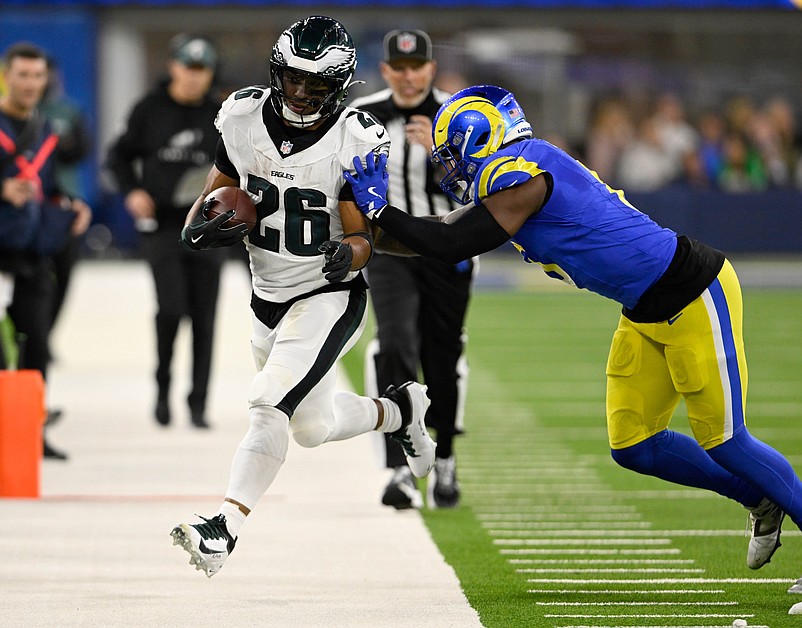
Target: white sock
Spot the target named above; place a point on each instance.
(353, 415)
(234, 517)
(392, 416)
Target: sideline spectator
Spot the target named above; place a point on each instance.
(160, 162)
(36, 218)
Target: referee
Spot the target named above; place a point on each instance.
(419, 304)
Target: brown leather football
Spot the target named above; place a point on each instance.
(231, 197)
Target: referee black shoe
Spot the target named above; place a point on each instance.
(402, 491)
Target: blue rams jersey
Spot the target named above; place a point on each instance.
(586, 233)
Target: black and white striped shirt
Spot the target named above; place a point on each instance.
(413, 181)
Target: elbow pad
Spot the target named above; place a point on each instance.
(473, 233)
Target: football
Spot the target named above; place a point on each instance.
(231, 197)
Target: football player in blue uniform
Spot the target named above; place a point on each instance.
(679, 334)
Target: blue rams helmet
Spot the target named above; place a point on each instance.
(319, 49)
(469, 127)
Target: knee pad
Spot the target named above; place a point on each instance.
(269, 389)
(640, 457)
(268, 433)
(309, 431)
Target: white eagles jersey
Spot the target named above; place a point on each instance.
(296, 192)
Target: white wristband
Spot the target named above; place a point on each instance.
(374, 213)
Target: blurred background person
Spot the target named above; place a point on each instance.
(37, 219)
(712, 129)
(742, 169)
(420, 304)
(610, 132)
(678, 137)
(74, 146)
(645, 165)
(160, 163)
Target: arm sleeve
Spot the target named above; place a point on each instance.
(222, 161)
(474, 232)
(347, 193)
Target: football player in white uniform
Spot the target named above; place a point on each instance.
(288, 145)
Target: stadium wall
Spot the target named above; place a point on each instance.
(110, 52)
(764, 222)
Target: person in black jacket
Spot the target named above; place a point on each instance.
(160, 162)
(419, 303)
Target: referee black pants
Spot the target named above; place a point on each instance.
(420, 306)
(187, 284)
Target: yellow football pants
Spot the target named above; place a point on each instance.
(698, 354)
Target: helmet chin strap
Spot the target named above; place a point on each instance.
(296, 120)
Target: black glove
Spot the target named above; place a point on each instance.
(209, 234)
(339, 256)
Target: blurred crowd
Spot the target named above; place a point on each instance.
(741, 146)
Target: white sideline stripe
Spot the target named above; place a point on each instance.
(499, 488)
(627, 533)
(664, 580)
(674, 494)
(621, 570)
(629, 591)
(601, 561)
(588, 525)
(537, 509)
(653, 626)
(581, 541)
(558, 459)
(651, 616)
(607, 501)
(530, 472)
(594, 552)
(540, 502)
(707, 603)
(568, 517)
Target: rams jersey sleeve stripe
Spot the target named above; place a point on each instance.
(505, 172)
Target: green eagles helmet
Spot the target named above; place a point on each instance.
(317, 47)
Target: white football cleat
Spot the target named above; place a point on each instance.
(208, 543)
(766, 518)
(413, 436)
(796, 609)
(797, 588)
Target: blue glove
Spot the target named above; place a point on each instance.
(370, 183)
(338, 256)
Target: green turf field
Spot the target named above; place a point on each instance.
(551, 532)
